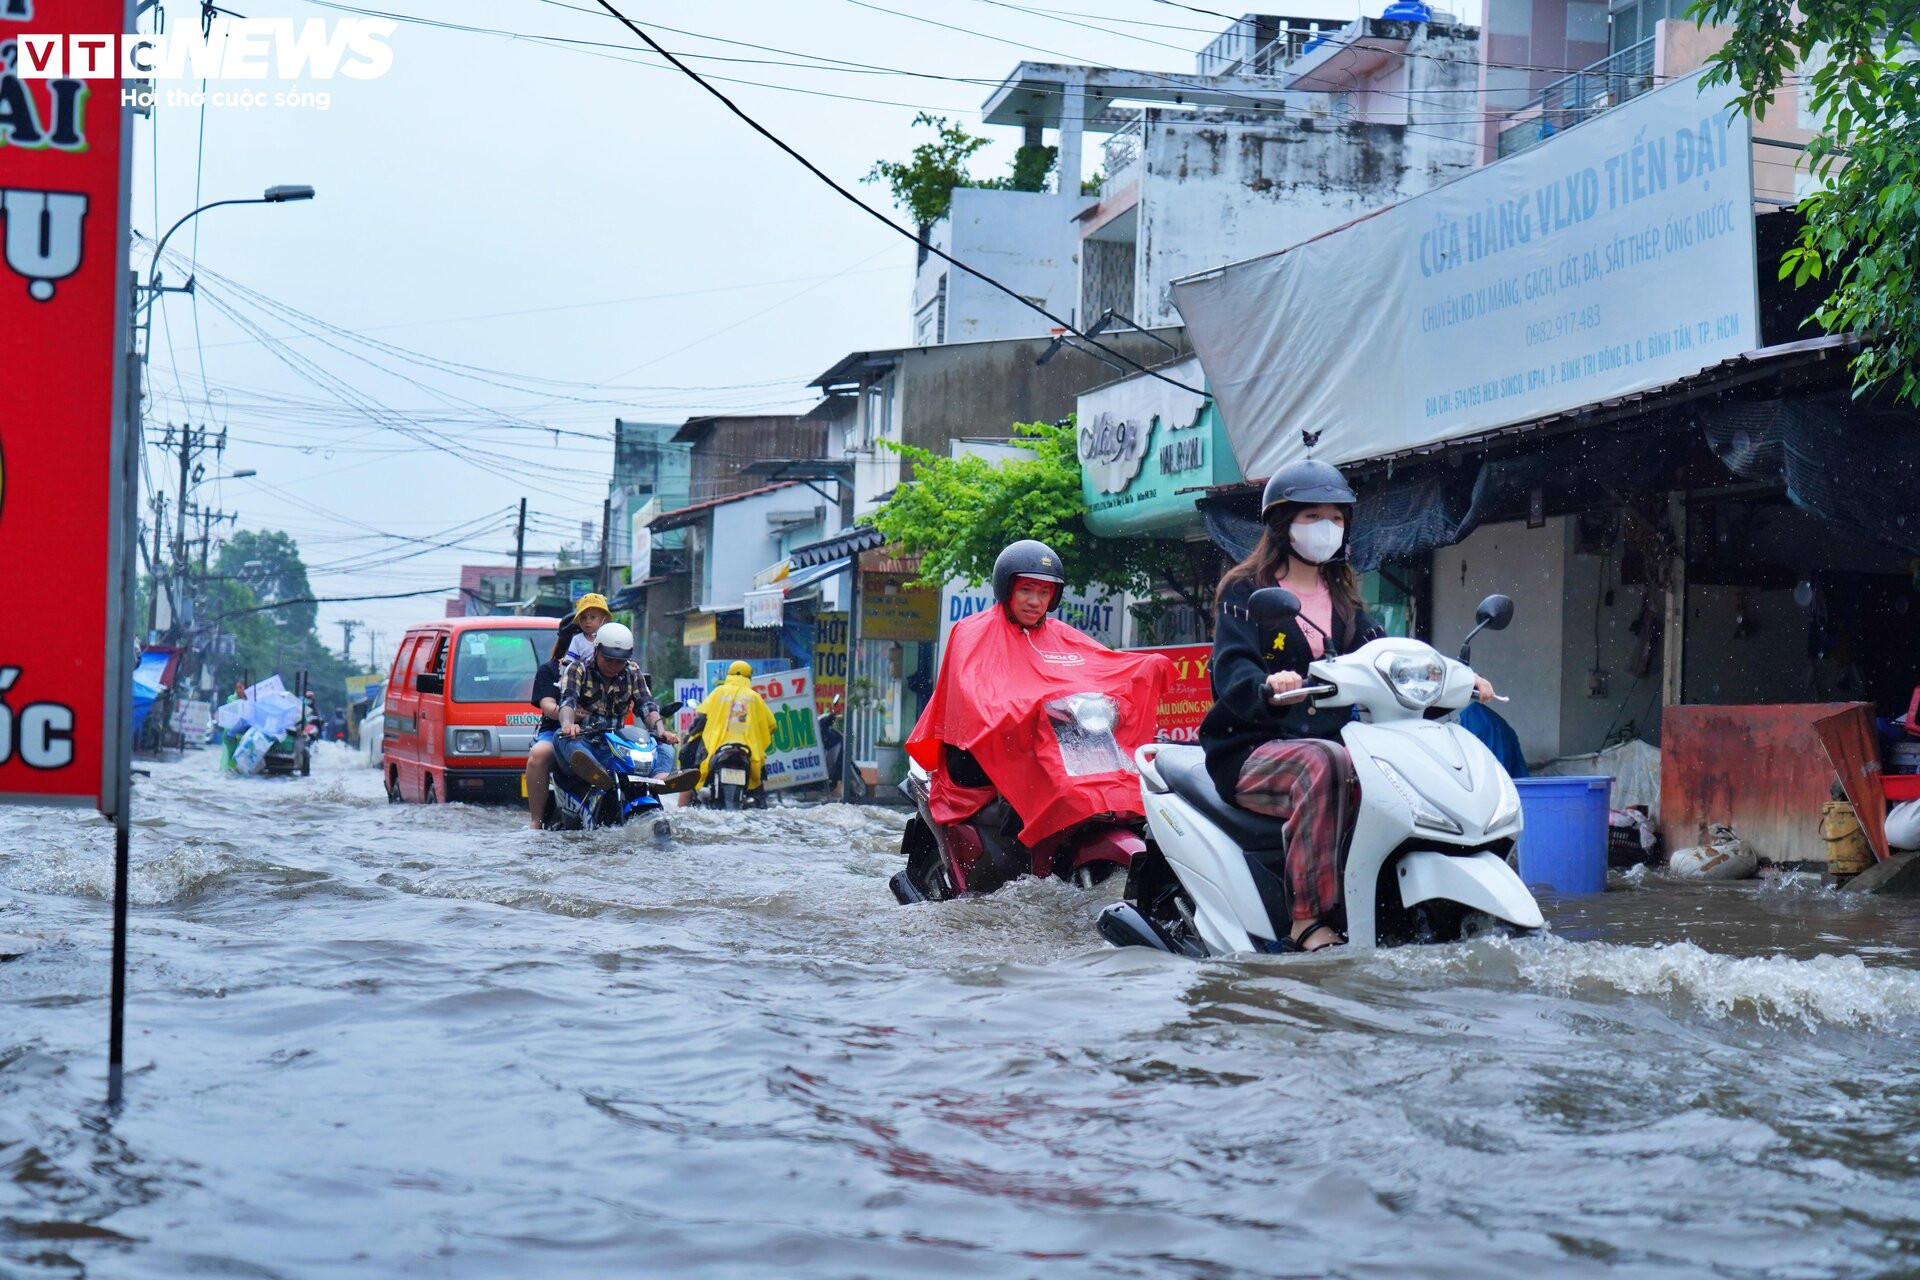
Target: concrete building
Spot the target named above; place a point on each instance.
(722, 447)
(929, 396)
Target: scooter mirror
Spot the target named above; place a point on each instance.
(1494, 613)
(1273, 608)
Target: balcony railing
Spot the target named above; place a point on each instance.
(1261, 45)
(1581, 96)
(1122, 153)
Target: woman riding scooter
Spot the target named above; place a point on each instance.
(1264, 751)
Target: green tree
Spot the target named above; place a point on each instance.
(1863, 226)
(261, 597)
(923, 188)
(958, 514)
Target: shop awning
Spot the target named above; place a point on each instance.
(849, 542)
(802, 578)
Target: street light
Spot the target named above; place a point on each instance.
(234, 475)
(272, 195)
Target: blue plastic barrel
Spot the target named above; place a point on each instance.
(1564, 845)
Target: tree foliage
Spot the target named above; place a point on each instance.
(1862, 226)
(264, 568)
(923, 187)
(958, 514)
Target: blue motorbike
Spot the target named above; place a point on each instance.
(604, 778)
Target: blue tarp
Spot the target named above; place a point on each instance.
(146, 685)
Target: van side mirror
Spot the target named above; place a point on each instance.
(431, 682)
(1494, 612)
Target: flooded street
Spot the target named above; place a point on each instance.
(368, 1040)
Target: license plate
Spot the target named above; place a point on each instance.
(733, 777)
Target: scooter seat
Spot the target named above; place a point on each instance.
(1185, 771)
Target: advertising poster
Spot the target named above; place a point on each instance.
(891, 610)
(1190, 696)
(63, 329)
(829, 659)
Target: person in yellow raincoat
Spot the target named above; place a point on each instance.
(735, 713)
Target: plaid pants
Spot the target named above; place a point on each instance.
(1306, 781)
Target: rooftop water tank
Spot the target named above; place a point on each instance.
(1406, 11)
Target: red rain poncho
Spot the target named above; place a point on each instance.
(995, 682)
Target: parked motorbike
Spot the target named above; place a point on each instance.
(980, 853)
(1437, 816)
(604, 778)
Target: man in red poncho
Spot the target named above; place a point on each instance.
(1010, 715)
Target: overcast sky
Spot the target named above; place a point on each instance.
(552, 238)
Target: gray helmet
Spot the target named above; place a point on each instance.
(1305, 482)
(1027, 558)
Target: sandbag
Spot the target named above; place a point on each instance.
(1724, 856)
(1903, 826)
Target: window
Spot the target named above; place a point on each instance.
(496, 666)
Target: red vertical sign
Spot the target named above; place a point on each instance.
(65, 691)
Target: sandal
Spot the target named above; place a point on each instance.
(1288, 946)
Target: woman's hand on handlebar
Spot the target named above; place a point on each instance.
(1285, 686)
(1483, 690)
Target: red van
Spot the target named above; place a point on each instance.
(458, 723)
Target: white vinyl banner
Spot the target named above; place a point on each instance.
(1102, 617)
(1612, 258)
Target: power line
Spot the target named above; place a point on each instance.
(885, 221)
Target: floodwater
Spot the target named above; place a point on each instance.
(395, 1041)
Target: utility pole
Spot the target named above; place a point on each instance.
(153, 565)
(519, 553)
(373, 661)
(606, 519)
(346, 636)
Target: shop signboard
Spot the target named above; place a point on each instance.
(689, 694)
(1613, 258)
(65, 470)
(829, 659)
(1190, 696)
(795, 758)
(192, 719)
(1143, 442)
(717, 668)
(892, 610)
(765, 607)
(577, 587)
(1102, 617)
(640, 546)
(698, 629)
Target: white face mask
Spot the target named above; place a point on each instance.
(1317, 541)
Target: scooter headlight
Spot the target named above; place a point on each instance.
(1416, 679)
(1509, 810)
(1425, 812)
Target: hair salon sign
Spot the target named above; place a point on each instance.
(63, 298)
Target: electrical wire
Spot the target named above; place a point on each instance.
(882, 218)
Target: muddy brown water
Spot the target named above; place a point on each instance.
(396, 1041)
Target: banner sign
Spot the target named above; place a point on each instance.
(699, 629)
(1615, 257)
(795, 758)
(1142, 442)
(829, 659)
(192, 719)
(765, 607)
(64, 704)
(1101, 617)
(717, 668)
(1190, 696)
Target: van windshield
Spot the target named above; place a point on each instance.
(496, 666)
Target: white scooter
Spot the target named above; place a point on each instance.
(1437, 817)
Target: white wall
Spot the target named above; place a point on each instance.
(742, 542)
(1027, 240)
(1526, 661)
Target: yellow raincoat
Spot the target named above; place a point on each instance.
(735, 713)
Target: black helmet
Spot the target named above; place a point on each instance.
(1027, 558)
(1305, 482)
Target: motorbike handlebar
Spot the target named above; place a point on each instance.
(1313, 689)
